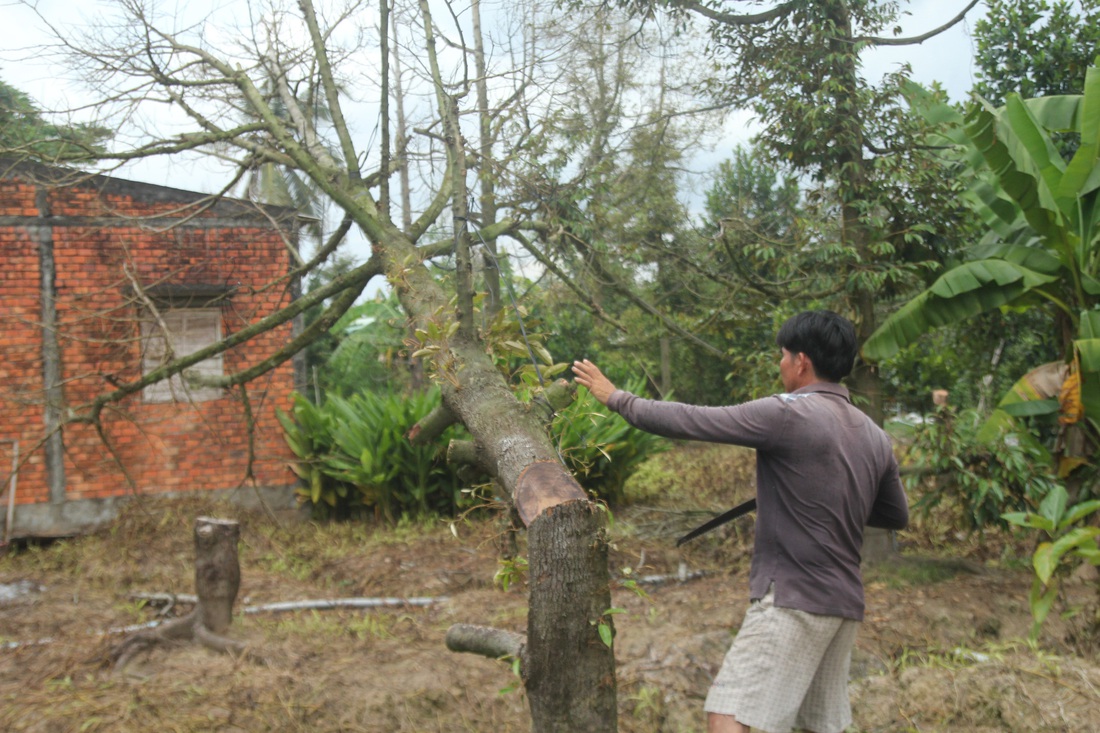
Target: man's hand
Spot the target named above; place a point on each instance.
(588, 375)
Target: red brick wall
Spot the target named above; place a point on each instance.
(20, 347)
(162, 447)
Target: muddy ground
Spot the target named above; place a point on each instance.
(943, 647)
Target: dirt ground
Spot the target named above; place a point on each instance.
(943, 647)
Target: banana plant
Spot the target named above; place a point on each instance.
(1042, 244)
(1041, 250)
(1068, 540)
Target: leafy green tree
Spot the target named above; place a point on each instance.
(756, 261)
(976, 361)
(24, 130)
(1035, 48)
(369, 354)
(1040, 253)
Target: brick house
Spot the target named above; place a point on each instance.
(101, 280)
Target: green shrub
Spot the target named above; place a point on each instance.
(353, 457)
(986, 479)
(600, 448)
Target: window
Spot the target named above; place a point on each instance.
(188, 330)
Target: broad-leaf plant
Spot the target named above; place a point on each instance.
(1041, 250)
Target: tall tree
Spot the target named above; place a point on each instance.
(1035, 48)
(612, 189)
(1040, 252)
(24, 130)
(797, 65)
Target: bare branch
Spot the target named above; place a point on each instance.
(354, 281)
(486, 641)
(332, 93)
(734, 18)
(914, 40)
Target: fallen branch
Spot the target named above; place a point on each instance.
(327, 605)
(680, 576)
(431, 426)
(171, 599)
(323, 604)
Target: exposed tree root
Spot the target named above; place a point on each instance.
(184, 629)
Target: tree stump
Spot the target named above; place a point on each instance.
(217, 571)
(217, 580)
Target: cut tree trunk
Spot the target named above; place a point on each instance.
(217, 579)
(569, 687)
(568, 671)
(217, 571)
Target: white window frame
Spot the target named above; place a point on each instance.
(188, 331)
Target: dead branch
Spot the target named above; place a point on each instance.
(180, 628)
(335, 603)
(922, 37)
(560, 394)
(324, 604)
(465, 452)
(682, 575)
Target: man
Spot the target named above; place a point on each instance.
(824, 471)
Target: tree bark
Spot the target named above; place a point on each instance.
(571, 670)
(217, 571)
(853, 186)
(569, 674)
(854, 190)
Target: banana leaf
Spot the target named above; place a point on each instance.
(1025, 187)
(958, 294)
(1081, 175)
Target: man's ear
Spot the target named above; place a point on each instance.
(805, 364)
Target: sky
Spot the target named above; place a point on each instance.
(947, 58)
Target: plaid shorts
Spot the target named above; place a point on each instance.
(786, 669)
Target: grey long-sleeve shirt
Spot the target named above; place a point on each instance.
(824, 471)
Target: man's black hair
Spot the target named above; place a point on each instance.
(828, 339)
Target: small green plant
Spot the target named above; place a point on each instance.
(601, 449)
(353, 456)
(516, 666)
(631, 584)
(368, 626)
(604, 627)
(649, 704)
(518, 349)
(905, 574)
(1068, 545)
(510, 571)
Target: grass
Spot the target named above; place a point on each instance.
(696, 475)
(907, 571)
